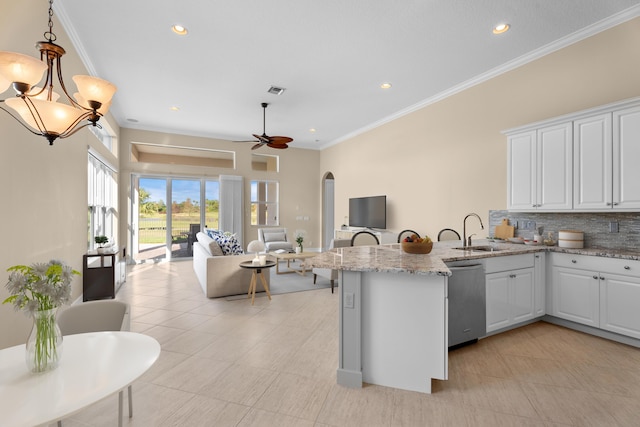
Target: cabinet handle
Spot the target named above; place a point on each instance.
(615, 203)
(573, 261)
(601, 278)
(626, 267)
(595, 277)
(512, 276)
(608, 203)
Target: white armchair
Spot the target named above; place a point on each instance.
(328, 273)
(274, 239)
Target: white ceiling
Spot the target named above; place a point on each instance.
(330, 55)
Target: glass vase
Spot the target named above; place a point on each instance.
(44, 345)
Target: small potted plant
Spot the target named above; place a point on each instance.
(101, 240)
(299, 239)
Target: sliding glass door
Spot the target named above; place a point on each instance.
(185, 216)
(169, 214)
(152, 219)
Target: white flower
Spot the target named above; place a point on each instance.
(39, 286)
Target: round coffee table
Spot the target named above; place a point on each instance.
(257, 271)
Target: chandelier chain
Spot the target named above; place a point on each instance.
(49, 35)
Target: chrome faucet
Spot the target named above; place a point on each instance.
(464, 228)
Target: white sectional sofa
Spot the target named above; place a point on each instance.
(221, 275)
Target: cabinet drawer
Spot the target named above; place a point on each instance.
(595, 263)
(506, 263)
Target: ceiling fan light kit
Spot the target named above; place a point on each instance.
(37, 107)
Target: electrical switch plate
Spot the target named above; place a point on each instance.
(348, 300)
(613, 227)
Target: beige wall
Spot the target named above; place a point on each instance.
(298, 177)
(449, 158)
(44, 189)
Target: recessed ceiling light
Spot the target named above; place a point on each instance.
(174, 108)
(385, 86)
(179, 30)
(501, 28)
(312, 130)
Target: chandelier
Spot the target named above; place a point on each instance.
(36, 106)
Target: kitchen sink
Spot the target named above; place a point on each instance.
(478, 248)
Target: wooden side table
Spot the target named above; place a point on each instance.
(257, 271)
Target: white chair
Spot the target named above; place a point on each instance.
(448, 234)
(364, 238)
(274, 239)
(328, 273)
(97, 316)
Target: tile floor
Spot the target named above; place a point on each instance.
(227, 363)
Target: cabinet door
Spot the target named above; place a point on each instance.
(554, 174)
(619, 304)
(539, 284)
(576, 295)
(521, 181)
(522, 295)
(498, 306)
(626, 152)
(592, 163)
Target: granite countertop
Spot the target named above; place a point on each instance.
(391, 259)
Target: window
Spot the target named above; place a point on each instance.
(264, 162)
(264, 203)
(102, 201)
(104, 133)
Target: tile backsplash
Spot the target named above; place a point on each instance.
(596, 226)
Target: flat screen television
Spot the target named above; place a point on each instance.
(368, 212)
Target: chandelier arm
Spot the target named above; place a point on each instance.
(64, 89)
(18, 120)
(65, 135)
(70, 130)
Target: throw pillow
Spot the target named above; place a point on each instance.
(211, 232)
(274, 237)
(228, 243)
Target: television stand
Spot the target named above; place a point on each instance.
(383, 236)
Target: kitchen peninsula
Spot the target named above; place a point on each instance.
(393, 324)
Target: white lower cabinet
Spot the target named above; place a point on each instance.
(576, 295)
(590, 290)
(620, 304)
(510, 291)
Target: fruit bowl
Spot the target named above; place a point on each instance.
(416, 248)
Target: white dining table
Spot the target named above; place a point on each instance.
(93, 366)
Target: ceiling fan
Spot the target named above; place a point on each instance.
(279, 142)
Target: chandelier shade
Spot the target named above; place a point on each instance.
(52, 117)
(20, 68)
(94, 89)
(36, 106)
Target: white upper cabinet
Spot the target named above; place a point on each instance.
(521, 185)
(540, 169)
(626, 155)
(585, 161)
(593, 164)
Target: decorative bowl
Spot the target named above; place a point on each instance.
(416, 248)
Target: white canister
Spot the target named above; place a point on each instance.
(571, 239)
(537, 238)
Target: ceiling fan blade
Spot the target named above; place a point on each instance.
(258, 145)
(280, 139)
(278, 146)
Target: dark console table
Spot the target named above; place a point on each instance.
(103, 274)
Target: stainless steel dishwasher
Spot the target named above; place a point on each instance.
(467, 302)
